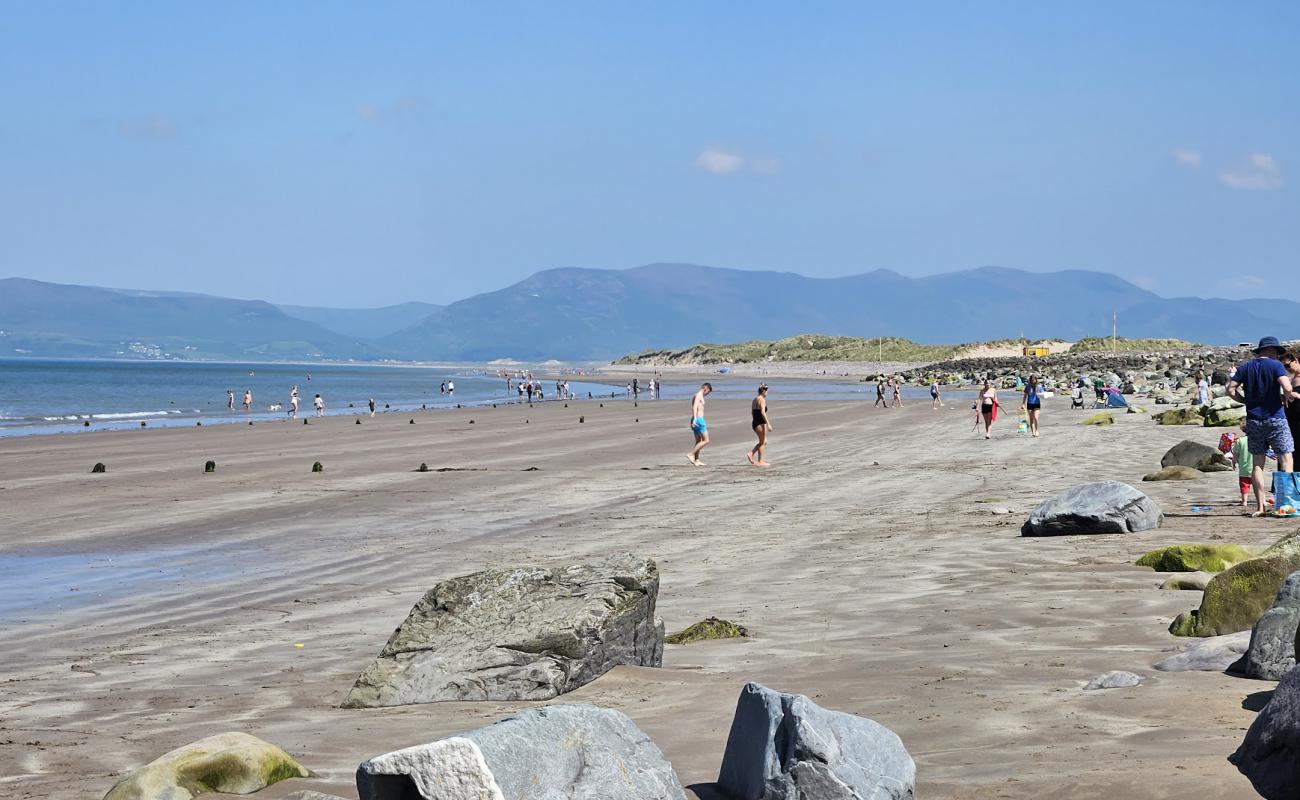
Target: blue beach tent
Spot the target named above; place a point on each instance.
(1115, 400)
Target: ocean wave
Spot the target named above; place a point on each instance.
(129, 415)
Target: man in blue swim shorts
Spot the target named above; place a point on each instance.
(698, 426)
(1264, 385)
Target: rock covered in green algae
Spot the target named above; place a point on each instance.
(711, 628)
(1194, 557)
(1175, 473)
(1104, 418)
(1237, 597)
(231, 763)
(1187, 415)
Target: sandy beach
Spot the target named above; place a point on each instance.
(153, 605)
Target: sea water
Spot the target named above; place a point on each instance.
(39, 396)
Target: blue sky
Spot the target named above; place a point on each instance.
(334, 154)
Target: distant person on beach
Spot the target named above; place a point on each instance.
(935, 400)
(293, 402)
(1202, 390)
(1264, 386)
(762, 427)
(451, 387)
(1032, 402)
(248, 399)
(372, 407)
(898, 392)
(320, 405)
(880, 394)
(987, 410)
(230, 400)
(698, 426)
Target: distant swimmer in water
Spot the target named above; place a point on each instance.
(320, 405)
(230, 400)
(372, 407)
(762, 425)
(248, 399)
(698, 426)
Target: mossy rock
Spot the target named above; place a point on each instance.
(209, 466)
(711, 628)
(1224, 418)
(1188, 581)
(232, 763)
(1195, 557)
(1217, 462)
(1188, 415)
(1237, 597)
(98, 468)
(422, 468)
(1104, 418)
(317, 467)
(1137, 409)
(1174, 473)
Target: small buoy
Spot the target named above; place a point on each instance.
(99, 467)
(317, 467)
(209, 466)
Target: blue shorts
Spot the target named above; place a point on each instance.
(1261, 434)
(699, 427)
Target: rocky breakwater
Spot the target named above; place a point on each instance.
(1166, 375)
(1236, 598)
(531, 633)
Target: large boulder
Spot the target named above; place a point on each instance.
(785, 746)
(1194, 557)
(1187, 454)
(531, 633)
(576, 752)
(1237, 597)
(1102, 418)
(1185, 415)
(1272, 641)
(232, 763)
(1215, 654)
(1103, 507)
(1270, 754)
(1175, 473)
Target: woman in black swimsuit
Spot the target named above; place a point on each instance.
(762, 426)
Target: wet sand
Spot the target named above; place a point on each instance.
(868, 564)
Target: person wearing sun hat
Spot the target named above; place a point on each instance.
(1264, 385)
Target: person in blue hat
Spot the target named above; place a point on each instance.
(1264, 385)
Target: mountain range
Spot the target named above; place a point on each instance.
(598, 314)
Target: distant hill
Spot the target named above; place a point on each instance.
(604, 314)
(597, 314)
(50, 319)
(363, 323)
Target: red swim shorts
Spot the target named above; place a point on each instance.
(1246, 485)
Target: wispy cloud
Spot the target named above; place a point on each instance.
(402, 107)
(1259, 172)
(725, 162)
(154, 128)
(719, 162)
(1187, 157)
